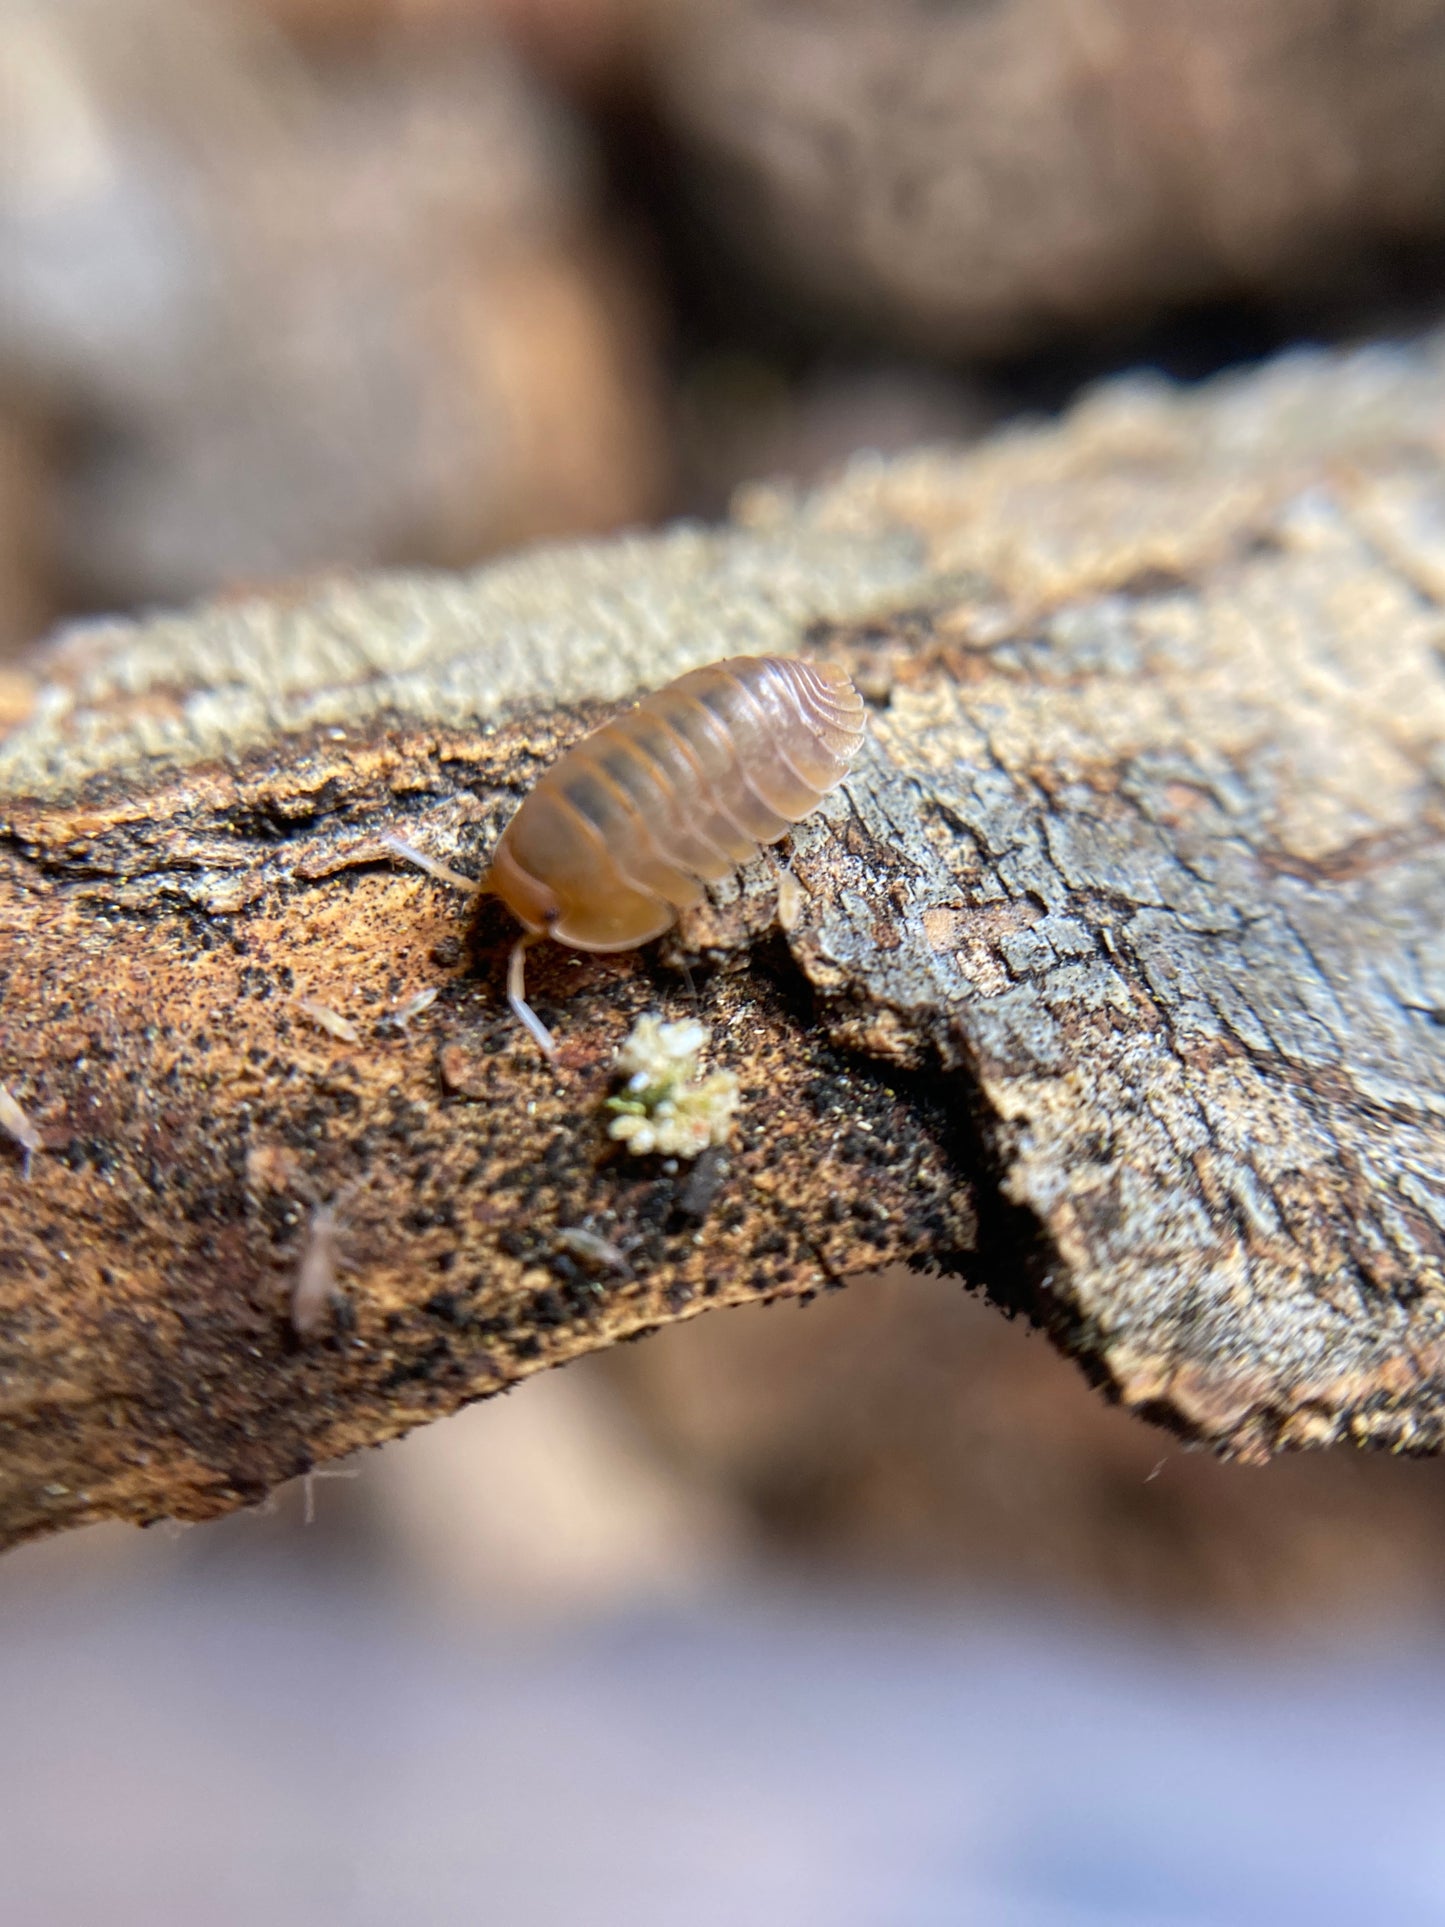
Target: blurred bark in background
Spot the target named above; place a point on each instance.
(299, 283)
(902, 1429)
(280, 321)
(26, 533)
(979, 177)
(585, 47)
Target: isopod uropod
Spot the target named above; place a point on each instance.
(621, 834)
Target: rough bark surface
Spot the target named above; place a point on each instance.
(1119, 982)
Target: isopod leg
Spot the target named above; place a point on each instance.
(517, 998)
(691, 986)
(443, 872)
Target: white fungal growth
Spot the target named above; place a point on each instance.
(665, 1106)
(21, 1127)
(660, 1053)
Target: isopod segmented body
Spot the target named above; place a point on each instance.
(623, 832)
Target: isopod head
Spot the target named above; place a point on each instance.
(530, 900)
(545, 840)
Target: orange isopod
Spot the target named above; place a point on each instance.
(621, 834)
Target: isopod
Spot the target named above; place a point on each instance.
(621, 834)
(329, 1020)
(18, 1124)
(586, 1245)
(313, 1291)
(401, 1017)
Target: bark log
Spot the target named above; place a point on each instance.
(1118, 985)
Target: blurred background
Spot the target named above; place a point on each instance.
(869, 1612)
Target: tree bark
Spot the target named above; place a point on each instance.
(1117, 986)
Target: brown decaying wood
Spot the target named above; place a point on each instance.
(1116, 979)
